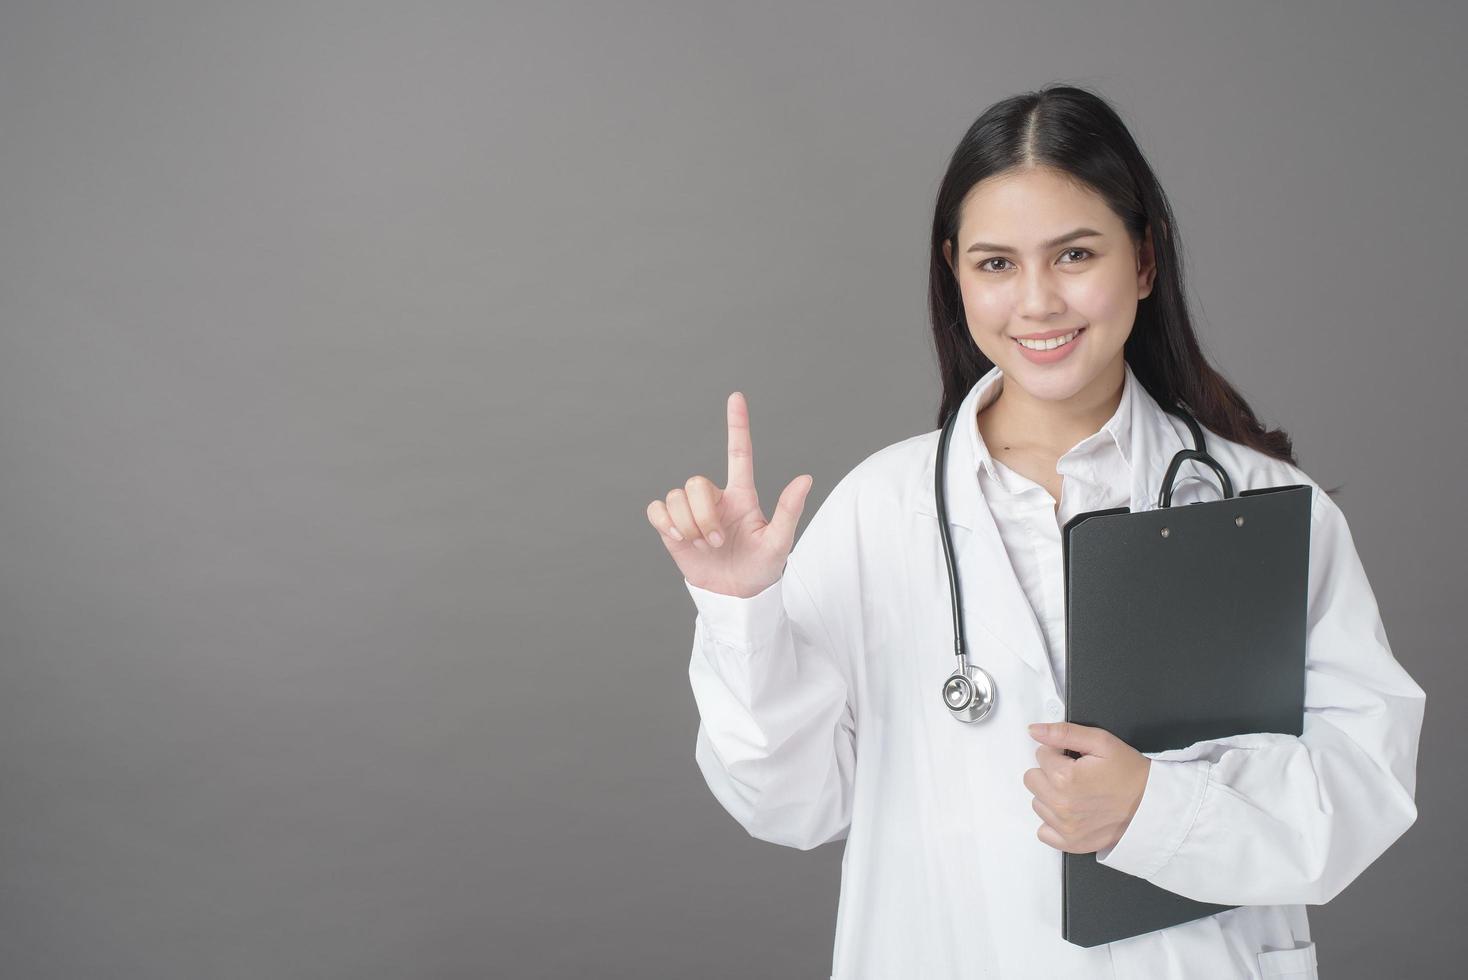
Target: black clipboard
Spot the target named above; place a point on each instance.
(1182, 624)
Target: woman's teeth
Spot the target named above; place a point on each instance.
(1050, 344)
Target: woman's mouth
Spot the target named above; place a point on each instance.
(1049, 351)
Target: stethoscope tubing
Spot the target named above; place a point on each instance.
(970, 693)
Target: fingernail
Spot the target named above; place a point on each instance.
(1039, 729)
(673, 533)
(716, 539)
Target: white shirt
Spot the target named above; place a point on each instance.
(1094, 475)
(821, 719)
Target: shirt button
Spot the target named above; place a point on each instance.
(1052, 708)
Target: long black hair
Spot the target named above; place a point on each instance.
(1077, 133)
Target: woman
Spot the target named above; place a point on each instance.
(1058, 314)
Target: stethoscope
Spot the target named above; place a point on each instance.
(970, 693)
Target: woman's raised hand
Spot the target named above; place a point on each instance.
(719, 538)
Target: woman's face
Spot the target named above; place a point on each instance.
(1018, 277)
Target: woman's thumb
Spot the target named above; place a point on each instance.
(789, 507)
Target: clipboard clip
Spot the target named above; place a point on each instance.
(1198, 453)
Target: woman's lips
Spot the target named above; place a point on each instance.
(1051, 356)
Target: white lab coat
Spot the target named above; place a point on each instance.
(821, 719)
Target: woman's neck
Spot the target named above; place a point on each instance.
(1043, 427)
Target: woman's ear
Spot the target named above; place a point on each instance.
(1146, 265)
(948, 253)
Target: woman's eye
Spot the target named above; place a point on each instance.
(985, 267)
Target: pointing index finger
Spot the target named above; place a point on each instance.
(741, 449)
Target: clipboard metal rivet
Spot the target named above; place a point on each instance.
(1239, 520)
(1165, 532)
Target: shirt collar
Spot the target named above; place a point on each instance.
(1116, 431)
(1156, 437)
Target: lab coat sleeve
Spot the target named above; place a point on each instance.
(1279, 819)
(777, 734)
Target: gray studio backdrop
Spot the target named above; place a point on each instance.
(343, 347)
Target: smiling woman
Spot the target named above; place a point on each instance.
(1065, 348)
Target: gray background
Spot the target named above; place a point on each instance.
(343, 347)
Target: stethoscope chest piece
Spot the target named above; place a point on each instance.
(969, 693)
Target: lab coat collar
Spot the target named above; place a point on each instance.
(1001, 606)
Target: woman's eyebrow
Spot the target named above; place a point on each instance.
(1068, 237)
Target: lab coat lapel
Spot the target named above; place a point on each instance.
(1155, 441)
(992, 596)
